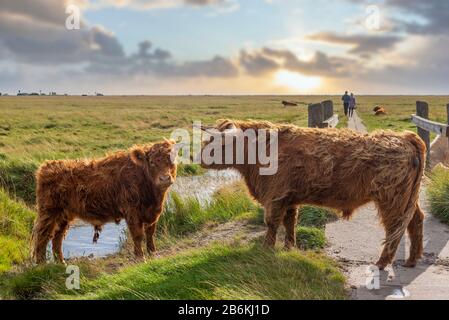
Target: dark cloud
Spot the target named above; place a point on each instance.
(269, 60)
(40, 37)
(158, 62)
(434, 12)
(364, 45)
(257, 63)
(154, 4)
(35, 32)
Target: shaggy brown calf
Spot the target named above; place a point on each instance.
(339, 169)
(126, 185)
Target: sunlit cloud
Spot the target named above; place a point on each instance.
(296, 81)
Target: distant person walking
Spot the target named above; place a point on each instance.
(346, 100)
(352, 105)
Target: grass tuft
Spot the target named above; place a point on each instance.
(15, 224)
(315, 216)
(186, 215)
(438, 193)
(309, 238)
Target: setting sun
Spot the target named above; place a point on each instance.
(296, 81)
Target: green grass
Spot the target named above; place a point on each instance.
(310, 216)
(17, 176)
(399, 109)
(438, 193)
(186, 215)
(217, 272)
(310, 238)
(15, 226)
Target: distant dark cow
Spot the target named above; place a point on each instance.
(289, 104)
(339, 169)
(128, 185)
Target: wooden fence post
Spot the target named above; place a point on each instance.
(328, 109)
(316, 116)
(422, 110)
(447, 112)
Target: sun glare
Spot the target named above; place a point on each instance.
(296, 81)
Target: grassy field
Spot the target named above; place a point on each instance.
(399, 109)
(34, 129)
(225, 269)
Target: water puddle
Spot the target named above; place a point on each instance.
(78, 242)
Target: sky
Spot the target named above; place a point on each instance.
(181, 47)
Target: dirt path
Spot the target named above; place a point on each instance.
(357, 245)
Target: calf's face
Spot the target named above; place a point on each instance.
(157, 160)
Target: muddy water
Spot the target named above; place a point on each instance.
(78, 242)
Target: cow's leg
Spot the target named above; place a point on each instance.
(393, 232)
(149, 230)
(388, 251)
(135, 227)
(415, 231)
(274, 213)
(59, 236)
(290, 224)
(43, 229)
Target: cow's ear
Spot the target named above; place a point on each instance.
(138, 156)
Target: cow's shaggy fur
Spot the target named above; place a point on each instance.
(344, 170)
(128, 185)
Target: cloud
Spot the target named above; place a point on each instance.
(364, 45)
(158, 62)
(257, 63)
(40, 37)
(161, 4)
(435, 14)
(269, 60)
(35, 32)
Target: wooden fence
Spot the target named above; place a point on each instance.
(321, 115)
(426, 126)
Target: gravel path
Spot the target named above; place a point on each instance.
(357, 245)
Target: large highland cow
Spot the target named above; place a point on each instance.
(339, 169)
(126, 185)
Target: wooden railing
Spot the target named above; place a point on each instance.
(426, 126)
(321, 115)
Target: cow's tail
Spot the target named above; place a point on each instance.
(418, 164)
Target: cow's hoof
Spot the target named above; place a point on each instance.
(409, 264)
(381, 265)
(139, 259)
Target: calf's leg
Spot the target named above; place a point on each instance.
(274, 214)
(59, 236)
(42, 233)
(289, 222)
(415, 231)
(149, 230)
(135, 227)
